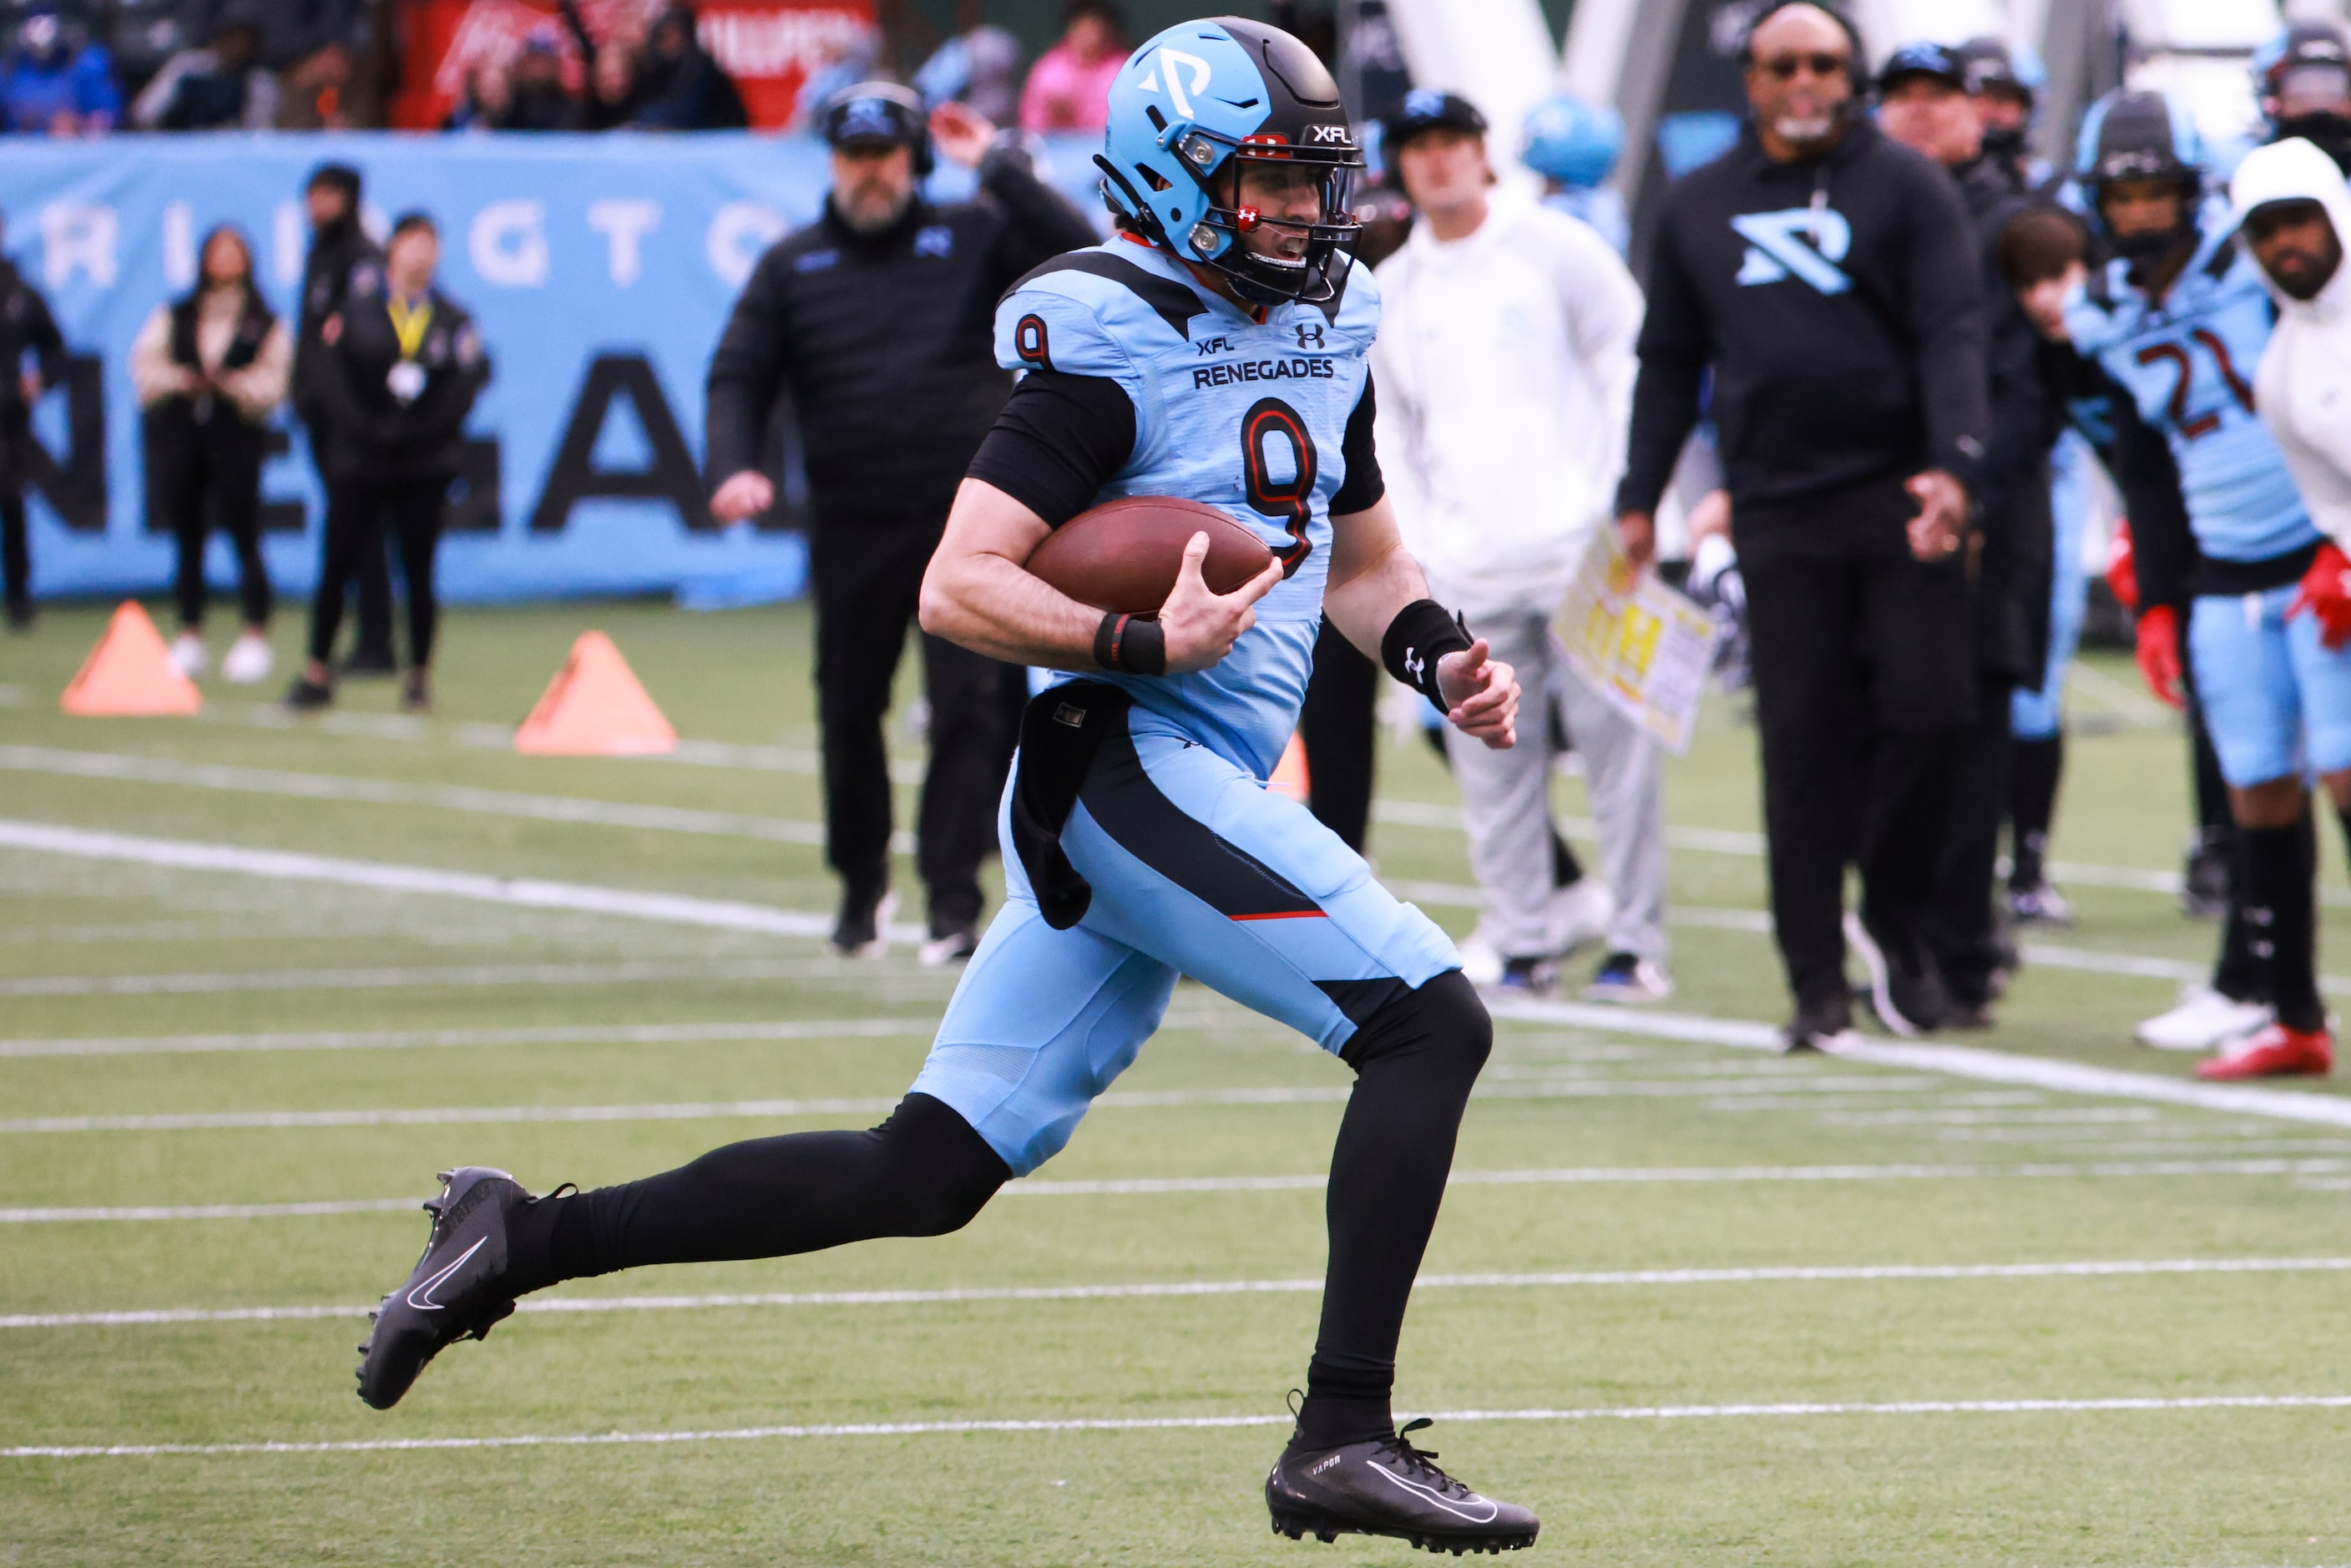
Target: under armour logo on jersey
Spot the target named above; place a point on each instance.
(1309, 334)
(1183, 74)
(1802, 242)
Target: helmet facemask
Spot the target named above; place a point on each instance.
(1271, 258)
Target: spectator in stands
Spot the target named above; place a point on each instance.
(402, 367)
(979, 69)
(1069, 87)
(210, 369)
(28, 332)
(537, 99)
(610, 67)
(219, 87)
(483, 104)
(680, 86)
(57, 83)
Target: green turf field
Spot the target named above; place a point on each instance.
(1693, 1302)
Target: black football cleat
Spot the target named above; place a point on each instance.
(458, 1289)
(1387, 1486)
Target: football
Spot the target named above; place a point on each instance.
(1123, 555)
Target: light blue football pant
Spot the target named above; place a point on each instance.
(2276, 701)
(2040, 716)
(1197, 869)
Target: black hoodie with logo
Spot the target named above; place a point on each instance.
(1838, 301)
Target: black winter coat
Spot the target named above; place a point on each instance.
(885, 344)
(335, 252)
(1838, 302)
(372, 431)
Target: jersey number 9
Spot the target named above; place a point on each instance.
(1289, 501)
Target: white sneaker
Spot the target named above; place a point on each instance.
(1578, 916)
(249, 659)
(188, 654)
(1482, 965)
(2203, 1020)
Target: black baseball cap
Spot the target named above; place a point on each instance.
(875, 113)
(1924, 59)
(1425, 110)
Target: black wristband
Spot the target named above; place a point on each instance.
(1421, 633)
(1135, 644)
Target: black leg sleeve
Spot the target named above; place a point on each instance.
(1415, 1062)
(1339, 727)
(2279, 867)
(923, 1172)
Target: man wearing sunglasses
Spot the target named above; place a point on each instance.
(1826, 280)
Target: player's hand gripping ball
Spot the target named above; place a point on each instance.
(1124, 555)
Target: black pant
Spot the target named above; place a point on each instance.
(1338, 726)
(1964, 932)
(206, 482)
(16, 551)
(361, 514)
(867, 578)
(372, 578)
(1863, 678)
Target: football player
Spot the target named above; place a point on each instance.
(2179, 319)
(1214, 349)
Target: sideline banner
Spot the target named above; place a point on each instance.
(600, 269)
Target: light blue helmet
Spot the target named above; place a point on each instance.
(1193, 103)
(1573, 142)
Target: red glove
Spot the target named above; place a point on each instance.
(2326, 595)
(2122, 568)
(2159, 654)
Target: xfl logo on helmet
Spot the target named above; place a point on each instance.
(1337, 133)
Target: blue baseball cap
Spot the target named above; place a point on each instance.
(1924, 59)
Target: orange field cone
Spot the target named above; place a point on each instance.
(1290, 774)
(595, 707)
(129, 674)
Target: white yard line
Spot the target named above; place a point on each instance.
(398, 1038)
(426, 978)
(1962, 1062)
(2097, 1269)
(1193, 1423)
(720, 1110)
(1147, 1187)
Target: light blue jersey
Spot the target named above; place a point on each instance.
(1247, 415)
(2188, 364)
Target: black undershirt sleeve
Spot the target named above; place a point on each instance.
(1059, 440)
(1364, 485)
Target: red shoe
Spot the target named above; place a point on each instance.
(2276, 1051)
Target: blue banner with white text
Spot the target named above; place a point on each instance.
(600, 270)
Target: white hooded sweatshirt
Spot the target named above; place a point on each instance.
(1504, 369)
(2304, 386)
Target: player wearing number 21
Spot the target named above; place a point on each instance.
(2181, 319)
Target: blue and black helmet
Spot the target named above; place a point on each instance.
(1571, 142)
(1187, 108)
(2134, 135)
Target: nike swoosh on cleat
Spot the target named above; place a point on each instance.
(1417, 1489)
(426, 1289)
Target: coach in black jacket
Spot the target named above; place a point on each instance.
(878, 320)
(1828, 279)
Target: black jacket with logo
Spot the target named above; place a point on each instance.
(886, 345)
(336, 252)
(373, 431)
(1839, 303)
